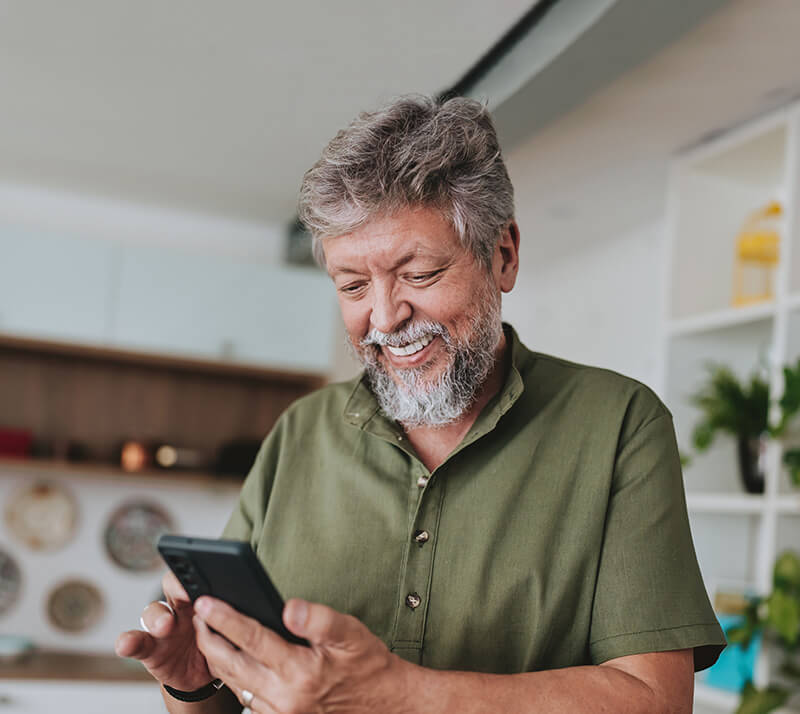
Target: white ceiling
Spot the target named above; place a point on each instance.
(211, 106)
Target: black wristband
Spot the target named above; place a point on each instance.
(196, 695)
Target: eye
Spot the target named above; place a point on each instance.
(422, 277)
(351, 288)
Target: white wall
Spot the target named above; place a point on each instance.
(85, 216)
(599, 304)
(199, 511)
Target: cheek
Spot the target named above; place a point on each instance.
(355, 318)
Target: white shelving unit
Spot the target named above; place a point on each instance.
(712, 191)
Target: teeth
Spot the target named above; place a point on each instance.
(410, 349)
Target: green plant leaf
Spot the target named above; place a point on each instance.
(702, 436)
(790, 669)
(786, 573)
(791, 458)
(741, 635)
(729, 406)
(784, 616)
(761, 701)
(790, 401)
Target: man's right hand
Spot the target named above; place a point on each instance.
(169, 649)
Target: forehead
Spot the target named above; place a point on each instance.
(421, 233)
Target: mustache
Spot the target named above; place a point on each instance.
(411, 333)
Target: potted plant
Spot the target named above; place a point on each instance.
(741, 410)
(777, 617)
(790, 405)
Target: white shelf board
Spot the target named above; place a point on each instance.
(788, 503)
(724, 502)
(722, 698)
(728, 317)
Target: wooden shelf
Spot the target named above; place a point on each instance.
(55, 469)
(719, 319)
(179, 363)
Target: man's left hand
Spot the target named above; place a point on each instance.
(346, 668)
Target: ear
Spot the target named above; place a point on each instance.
(506, 258)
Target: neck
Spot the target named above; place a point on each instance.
(435, 443)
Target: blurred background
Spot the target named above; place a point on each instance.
(159, 308)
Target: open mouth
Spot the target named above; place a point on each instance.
(411, 348)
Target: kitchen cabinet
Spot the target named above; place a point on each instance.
(152, 299)
(55, 287)
(230, 310)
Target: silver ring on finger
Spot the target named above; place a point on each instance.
(168, 606)
(142, 626)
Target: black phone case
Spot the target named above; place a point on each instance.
(230, 571)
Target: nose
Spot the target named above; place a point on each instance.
(389, 309)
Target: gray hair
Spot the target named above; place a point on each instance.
(416, 151)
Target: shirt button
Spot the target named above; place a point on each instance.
(422, 481)
(421, 537)
(413, 600)
(399, 437)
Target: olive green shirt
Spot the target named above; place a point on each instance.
(554, 535)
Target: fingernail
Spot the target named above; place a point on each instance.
(299, 613)
(202, 606)
(200, 624)
(161, 622)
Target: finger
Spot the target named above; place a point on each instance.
(322, 625)
(256, 706)
(173, 589)
(238, 669)
(157, 619)
(263, 644)
(135, 643)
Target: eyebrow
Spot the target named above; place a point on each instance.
(407, 258)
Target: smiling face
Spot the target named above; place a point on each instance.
(420, 312)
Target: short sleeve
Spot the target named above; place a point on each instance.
(650, 595)
(247, 519)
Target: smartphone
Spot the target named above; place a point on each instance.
(230, 571)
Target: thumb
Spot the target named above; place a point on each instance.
(320, 624)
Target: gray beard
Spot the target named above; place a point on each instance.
(412, 402)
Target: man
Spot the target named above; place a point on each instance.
(470, 526)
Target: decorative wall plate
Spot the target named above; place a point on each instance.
(132, 532)
(74, 606)
(43, 516)
(10, 581)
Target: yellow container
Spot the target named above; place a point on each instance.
(757, 255)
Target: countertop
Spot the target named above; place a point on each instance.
(73, 666)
